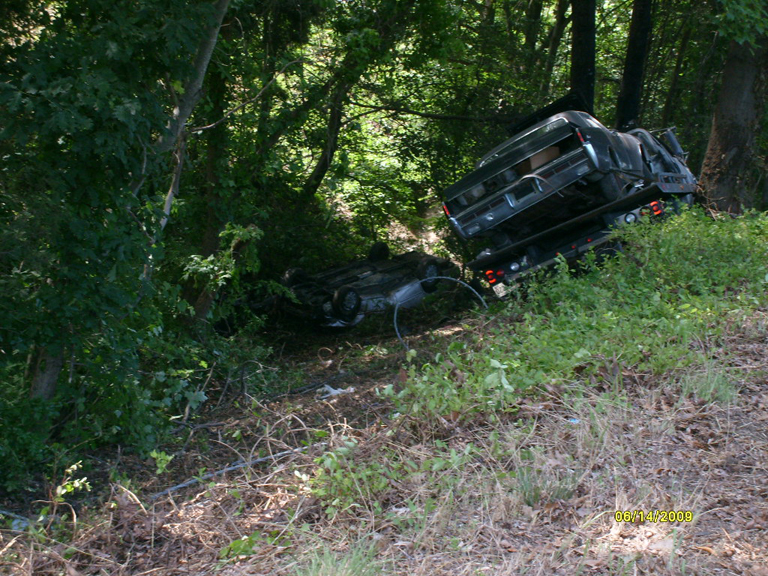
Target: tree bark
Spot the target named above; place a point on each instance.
(583, 50)
(45, 375)
(730, 173)
(628, 107)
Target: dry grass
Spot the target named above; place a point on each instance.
(534, 494)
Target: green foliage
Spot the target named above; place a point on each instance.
(69, 484)
(23, 441)
(249, 544)
(162, 460)
(344, 483)
(347, 480)
(744, 21)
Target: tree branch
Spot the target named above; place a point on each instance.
(433, 116)
(194, 86)
(174, 189)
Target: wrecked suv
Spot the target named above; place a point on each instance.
(558, 186)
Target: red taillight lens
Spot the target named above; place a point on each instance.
(657, 208)
(445, 209)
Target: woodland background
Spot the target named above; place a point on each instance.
(163, 162)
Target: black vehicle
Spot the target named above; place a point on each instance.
(342, 297)
(558, 186)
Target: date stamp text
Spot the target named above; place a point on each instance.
(640, 516)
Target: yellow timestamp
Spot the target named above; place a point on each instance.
(653, 516)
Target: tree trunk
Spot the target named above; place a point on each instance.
(336, 104)
(628, 107)
(555, 36)
(215, 153)
(730, 173)
(48, 365)
(583, 50)
(671, 100)
(193, 87)
(193, 91)
(532, 25)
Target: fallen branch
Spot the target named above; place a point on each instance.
(238, 466)
(13, 515)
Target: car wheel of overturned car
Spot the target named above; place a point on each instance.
(295, 276)
(346, 303)
(379, 251)
(611, 187)
(428, 268)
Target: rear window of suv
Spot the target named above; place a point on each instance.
(529, 140)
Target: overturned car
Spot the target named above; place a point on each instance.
(558, 186)
(342, 297)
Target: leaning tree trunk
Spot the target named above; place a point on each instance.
(730, 173)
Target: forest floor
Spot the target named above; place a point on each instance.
(530, 491)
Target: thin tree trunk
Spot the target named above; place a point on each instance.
(555, 36)
(338, 98)
(583, 50)
(730, 173)
(194, 86)
(628, 107)
(672, 98)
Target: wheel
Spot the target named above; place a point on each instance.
(346, 303)
(428, 268)
(379, 251)
(610, 187)
(295, 276)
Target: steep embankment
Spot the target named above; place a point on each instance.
(505, 443)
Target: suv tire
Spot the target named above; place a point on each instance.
(428, 268)
(346, 303)
(379, 251)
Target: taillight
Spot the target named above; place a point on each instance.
(581, 138)
(657, 208)
(494, 276)
(445, 209)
